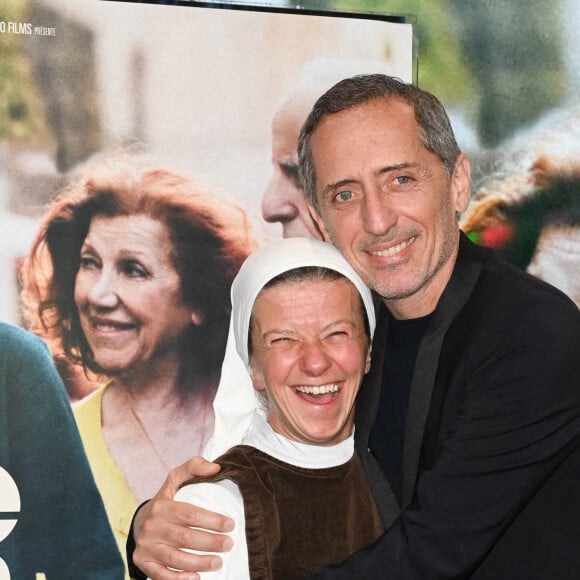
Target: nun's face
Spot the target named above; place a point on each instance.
(310, 353)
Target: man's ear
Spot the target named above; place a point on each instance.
(461, 183)
(318, 221)
(368, 362)
(257, 378)
(196, 317)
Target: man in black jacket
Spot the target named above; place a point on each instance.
(473, 400)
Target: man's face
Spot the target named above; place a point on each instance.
(283, 200)
(387, 204)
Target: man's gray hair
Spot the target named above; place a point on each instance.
(436, 132)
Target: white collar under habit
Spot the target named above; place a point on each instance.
(261, 436)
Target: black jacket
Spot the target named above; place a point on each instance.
(494, 411)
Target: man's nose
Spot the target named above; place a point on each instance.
(377, 214)
(277, 205)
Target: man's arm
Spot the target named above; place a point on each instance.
(162, 526)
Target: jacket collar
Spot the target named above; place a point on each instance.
(456, 294)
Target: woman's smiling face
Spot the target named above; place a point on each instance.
(128, 294)
(310, 352)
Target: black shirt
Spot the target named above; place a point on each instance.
(388, 432)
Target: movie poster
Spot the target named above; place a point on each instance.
(142, 97)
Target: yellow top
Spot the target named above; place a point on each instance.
(119, 501)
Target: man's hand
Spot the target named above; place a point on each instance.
(163, 526)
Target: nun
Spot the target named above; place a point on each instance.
(302, 324)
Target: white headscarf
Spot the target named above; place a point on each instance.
(235, 400)
(275, 259)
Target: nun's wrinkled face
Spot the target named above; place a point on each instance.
(310, 352)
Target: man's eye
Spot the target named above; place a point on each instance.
(290, 170)
(402, 179)
(345, 195)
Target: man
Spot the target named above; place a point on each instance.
(283, 199)
(472, 402)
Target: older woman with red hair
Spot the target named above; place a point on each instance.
(129, 276)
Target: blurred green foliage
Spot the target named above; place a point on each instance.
(514, 48)
(498, 61)
(442, 70)
(22, 116)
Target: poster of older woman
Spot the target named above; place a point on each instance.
(129, 277)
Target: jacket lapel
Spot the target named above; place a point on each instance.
(365, 413)
(456, 294)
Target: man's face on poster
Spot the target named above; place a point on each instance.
(283, 199)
